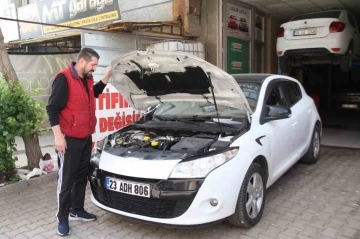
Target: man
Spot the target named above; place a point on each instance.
(71, 112)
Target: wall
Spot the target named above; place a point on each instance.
(271, 59)
(146, 10)
(209, 33)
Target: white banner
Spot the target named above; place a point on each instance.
(112, 112)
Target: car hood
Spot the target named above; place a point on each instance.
(147, 78)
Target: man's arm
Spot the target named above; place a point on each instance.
(99, 88)
(57, 102)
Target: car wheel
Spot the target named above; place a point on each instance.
(346, 61)
(312, 155)
(251, 200)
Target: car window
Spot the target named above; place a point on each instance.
(293, 92)
(329, 14)
(251, 92)
(276, 97)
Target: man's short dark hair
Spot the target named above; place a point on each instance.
(87, 53)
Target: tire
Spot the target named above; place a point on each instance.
(346, 61)
(242, 217)
(312, 155)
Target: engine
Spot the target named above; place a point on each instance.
(146, 141)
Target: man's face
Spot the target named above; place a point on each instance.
(88, 68)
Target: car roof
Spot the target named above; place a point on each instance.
(253, 78)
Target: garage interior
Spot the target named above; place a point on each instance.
(322, 82)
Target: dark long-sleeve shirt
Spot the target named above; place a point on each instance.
(59, 96)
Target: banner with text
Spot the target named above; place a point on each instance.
(74, 13)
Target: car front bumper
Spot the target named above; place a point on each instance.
(180, 202)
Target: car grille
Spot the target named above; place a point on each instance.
(150, 207)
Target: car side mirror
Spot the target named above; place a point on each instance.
(276, 113)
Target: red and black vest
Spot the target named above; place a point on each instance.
(78, 118)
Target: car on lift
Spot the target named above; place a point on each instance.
(208, 144)
(327, 37)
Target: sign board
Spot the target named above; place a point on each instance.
(238, 20)
(259, 28)
(10, 29)
(237, 55)
(74, 13)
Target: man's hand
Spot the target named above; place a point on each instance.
(107, 76)
(60, 144)
(108, 71)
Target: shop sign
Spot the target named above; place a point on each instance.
(74, 13)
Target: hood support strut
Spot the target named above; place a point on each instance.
(212, 92)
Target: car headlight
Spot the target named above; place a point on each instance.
(200, 168)
(96, 152)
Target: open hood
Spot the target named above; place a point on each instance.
(147, 78)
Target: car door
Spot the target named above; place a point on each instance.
(281, 133)
(301, 112)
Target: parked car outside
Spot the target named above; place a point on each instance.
(208, 144)
(330, 37)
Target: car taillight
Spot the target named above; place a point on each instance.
(280, 32)
(337, 27)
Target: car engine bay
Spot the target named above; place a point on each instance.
(166, 144)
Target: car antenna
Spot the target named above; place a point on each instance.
(212, 91)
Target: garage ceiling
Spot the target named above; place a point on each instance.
(285, 9)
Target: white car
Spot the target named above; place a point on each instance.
(320, 37)
(208, 145)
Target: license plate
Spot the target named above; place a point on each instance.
(137, 189)
(303, 32)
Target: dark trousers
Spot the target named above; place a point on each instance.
(72, 179)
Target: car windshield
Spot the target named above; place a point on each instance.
(329, 14)
(251, 92)
(197, 109)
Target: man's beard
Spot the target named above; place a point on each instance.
(88, 74)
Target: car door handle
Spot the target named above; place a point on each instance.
(293, 124)
(309, 111)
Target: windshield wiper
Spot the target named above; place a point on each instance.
(176, 119)
(206, 117)
(225, 124)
